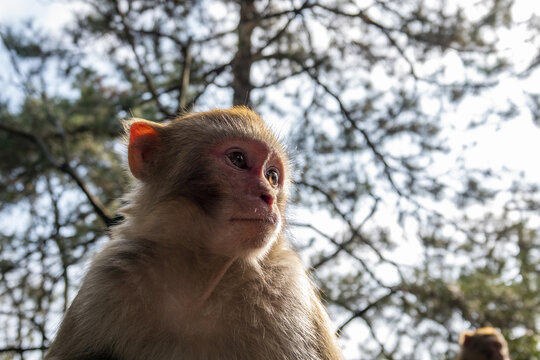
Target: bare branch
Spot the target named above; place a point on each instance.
(360, 313)
(186, 72)
(386, 31)
(214, 36)
(276, 36)
(295, 11)
(147, 78)
(387, 168)
(17, 349)
(64, 167)
(26, 85)
(355, 234)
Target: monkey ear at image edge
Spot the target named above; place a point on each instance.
(143, 143)
(464, 337)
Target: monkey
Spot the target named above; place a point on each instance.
(483, 344)
(201, 267)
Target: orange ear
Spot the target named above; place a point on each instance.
(143, 142)
(466, 341)
(465, 337)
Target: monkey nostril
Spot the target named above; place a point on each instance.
(268, 199)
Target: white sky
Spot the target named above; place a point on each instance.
(50, 15)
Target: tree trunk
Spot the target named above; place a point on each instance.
(241, 65)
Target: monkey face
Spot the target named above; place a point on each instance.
(251, 177)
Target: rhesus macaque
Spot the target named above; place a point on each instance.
(201, 267)
(483, 344)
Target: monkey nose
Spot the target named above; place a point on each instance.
(268, 199)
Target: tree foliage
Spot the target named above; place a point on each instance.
(411, 252)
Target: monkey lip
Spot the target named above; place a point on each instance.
(269, 219)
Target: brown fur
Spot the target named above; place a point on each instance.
(483, 344)
(159, 291)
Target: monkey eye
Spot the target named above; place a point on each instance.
(273, 177)
(238, 159)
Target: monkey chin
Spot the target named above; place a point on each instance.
(252, 238)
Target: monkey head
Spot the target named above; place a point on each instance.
(222, 168)
(483, 344)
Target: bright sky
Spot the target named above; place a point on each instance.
(50, 15)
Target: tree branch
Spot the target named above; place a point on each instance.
(360, 313)
(385, 30)
(387, 168)
(295, 11)
(355, 234)
(279, 33)
(17, 349)
(186, 72)
(64, 167)
(148, 80)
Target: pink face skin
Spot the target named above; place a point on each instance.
(254, 175)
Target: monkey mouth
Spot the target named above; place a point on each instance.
(269, 220)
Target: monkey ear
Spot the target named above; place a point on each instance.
(465, 337)
(466, 341)
(144, 142)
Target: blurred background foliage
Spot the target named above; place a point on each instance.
(410, 242)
